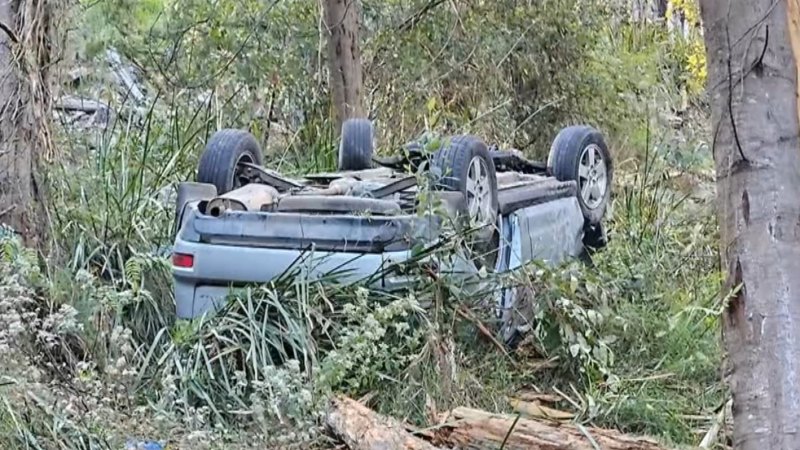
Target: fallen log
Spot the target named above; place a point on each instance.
(360, 428)
(480, 430)
(72, 103)
(124, 76)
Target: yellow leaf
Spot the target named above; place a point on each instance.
(431, 104)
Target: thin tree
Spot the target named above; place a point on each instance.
(753, 50)
(344, 58)
(661, 8)
(25, 65)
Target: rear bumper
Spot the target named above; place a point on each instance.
(300, 231)
(239, 248)
(204, 287)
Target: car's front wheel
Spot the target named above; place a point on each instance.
(580, 153)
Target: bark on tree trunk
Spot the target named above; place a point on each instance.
(24, 102)
(661, 8)
(344, 55)
(752, 52)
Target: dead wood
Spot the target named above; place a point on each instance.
(360, 428)
(363, 429)
(535, 409)
(70, 103)
(124, 76)
(480, 430)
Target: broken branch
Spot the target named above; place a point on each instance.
(463, 312)
(11, 35)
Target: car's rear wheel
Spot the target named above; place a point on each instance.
(357, 144)
(464, 165)
(580, 153)
(220, 162)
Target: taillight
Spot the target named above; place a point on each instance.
(182, 260)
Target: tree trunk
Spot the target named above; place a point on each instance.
(24, 101)
(752, 52)
(342, 22)
(661, 8)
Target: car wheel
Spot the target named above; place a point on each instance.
(580, 153)
(357, 145)
(219, 163)
(464, 165)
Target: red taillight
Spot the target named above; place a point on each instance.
(182, 260)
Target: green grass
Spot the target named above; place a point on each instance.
(655, 287)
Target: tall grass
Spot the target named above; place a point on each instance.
(640, 353)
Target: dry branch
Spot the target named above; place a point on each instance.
(478, 430)
(124, 76)
(71, 103)
(363, 429)
(711, 436)
(9, 32)
(535, 409)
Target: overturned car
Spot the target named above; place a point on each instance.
(241, 223)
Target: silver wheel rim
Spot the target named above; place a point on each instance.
(479, 192)
(593, 177)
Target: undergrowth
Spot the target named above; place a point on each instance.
(628, 341)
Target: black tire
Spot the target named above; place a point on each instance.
(224, 151)
(357, 145)
(564, 161)
(451, 166)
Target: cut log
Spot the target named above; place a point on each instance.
(362, 429)
(481, 430)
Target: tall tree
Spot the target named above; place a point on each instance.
(753, 50)
(24, 100)
(342, 24)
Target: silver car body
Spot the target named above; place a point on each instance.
(539, 219)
